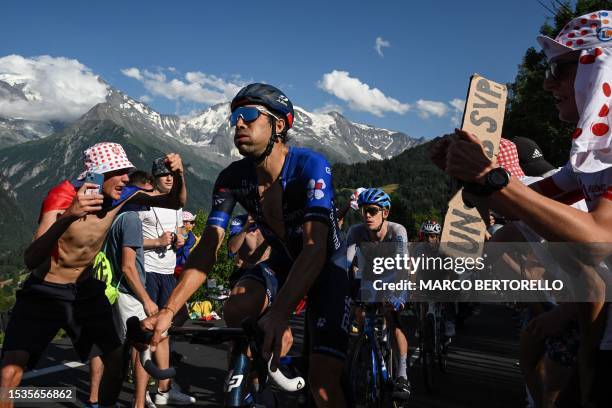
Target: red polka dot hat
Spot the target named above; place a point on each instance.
(104, 157)
(582, 33)
(590, 34)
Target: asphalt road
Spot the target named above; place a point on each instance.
(481, 368)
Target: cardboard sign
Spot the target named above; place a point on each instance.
(463, 233)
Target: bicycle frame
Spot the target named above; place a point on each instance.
(369, 331)
(380, 374)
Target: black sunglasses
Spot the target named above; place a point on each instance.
(554, 70)
(370, 210)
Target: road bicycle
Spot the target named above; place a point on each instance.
(237, 388)
(371, 362)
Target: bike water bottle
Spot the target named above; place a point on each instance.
(236, 388)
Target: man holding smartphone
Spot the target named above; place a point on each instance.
(61, 291)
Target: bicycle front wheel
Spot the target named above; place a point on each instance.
(364, 375)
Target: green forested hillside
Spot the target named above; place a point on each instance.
(421, 192)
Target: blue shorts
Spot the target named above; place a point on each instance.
(327, 308)
(159, 286)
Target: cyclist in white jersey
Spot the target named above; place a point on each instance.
(375, 205)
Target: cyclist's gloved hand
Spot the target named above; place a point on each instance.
(397, 302)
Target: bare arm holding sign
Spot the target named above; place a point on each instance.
(469, 158)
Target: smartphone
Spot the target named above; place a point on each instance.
(94, 178)
(160, 165)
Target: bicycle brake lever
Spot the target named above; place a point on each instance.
(287, 384)
(136, 334)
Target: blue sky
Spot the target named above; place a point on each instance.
(321, 53)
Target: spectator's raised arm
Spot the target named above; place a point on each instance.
(176, 198)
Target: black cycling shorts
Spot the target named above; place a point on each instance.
(328, 306)
(42, 308)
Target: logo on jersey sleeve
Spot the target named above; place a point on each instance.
(316, 189)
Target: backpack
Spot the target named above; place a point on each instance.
(103, 269)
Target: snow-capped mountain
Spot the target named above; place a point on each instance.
(18, 130)
(330, 133)
(209, 133)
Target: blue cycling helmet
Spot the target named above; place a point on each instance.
(268, 96)
(374, 196)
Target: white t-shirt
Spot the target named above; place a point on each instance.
(154, 223)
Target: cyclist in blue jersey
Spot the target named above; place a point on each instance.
(375, 206)
(289, 193)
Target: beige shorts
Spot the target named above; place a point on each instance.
(125, 307)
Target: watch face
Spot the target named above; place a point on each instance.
(498, 178)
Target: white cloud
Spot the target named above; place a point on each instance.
(458, 104)
(380, 43)
(55, 87)
(360, 96)
(329, 107)
(132, 73)
(426, 109)
(145, 99)
(458, 108)
(193, 87)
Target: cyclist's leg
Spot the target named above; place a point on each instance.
(329, 306)
(401, 342)
(247, 299)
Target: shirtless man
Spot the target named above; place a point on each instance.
(61, 291)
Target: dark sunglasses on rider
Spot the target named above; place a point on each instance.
(370, 210)
(554, 70)
(248, 114)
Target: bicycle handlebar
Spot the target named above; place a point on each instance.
(250, 329)
(136, 334)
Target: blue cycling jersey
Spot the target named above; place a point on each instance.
(308, 195)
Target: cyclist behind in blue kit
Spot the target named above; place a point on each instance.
(289, 193)
(375, 206)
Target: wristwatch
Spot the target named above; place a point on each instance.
(495, 180)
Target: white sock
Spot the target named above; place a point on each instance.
(401, 370)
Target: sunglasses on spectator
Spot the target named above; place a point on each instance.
(188, 222)
(248, 114)
(554, 70)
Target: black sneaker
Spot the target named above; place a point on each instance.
(401, 388)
